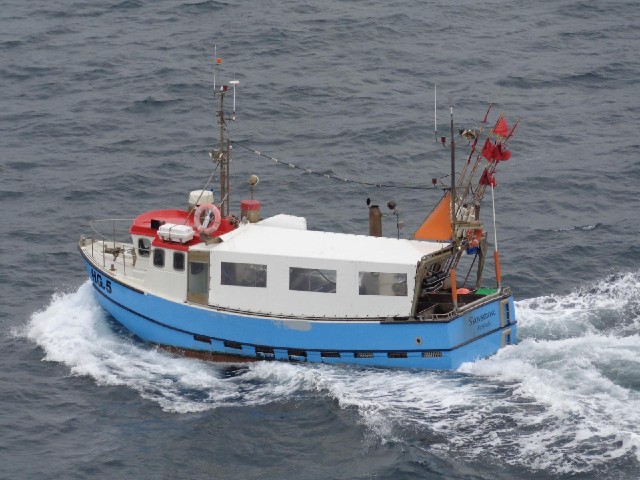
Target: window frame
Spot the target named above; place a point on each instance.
(389, 279)
(303, 274)
(158, 253)
(254, 275)
(144, 247)
(177, 254)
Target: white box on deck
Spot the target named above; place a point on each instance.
(171, 232)
(200, 197)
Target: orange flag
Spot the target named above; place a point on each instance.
(437, 226)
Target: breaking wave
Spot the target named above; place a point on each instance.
(584, 228)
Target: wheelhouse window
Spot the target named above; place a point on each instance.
(243, 274)
(144, 247)
(382, 283)
(178, 261)
(198, 278)
(158, 257)
(312, 280)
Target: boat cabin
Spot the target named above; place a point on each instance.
(278, 267)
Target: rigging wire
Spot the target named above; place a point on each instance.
(202, 192)
(334, 177)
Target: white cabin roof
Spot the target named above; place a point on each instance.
(272, 240)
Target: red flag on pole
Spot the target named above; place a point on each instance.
(495, 153)
(488, 150)
(501, 153)
(488, 179)
(501, 128)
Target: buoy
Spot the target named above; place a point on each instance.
(207, 227)
(474, 237)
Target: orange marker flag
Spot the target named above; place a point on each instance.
(437, 226)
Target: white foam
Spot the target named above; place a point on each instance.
(610, 305)
(564, 400)
(567, 394)
(586, 228)
(73, 330)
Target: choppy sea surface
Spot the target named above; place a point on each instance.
(107, 111)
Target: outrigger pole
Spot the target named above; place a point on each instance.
(465, 182)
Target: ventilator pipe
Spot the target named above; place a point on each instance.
(375, 221)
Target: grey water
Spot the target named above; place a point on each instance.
(107, 111)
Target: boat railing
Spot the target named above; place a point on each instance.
(431, 312)
(110, 243)
(118, 228)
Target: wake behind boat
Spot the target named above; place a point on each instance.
(209, 283)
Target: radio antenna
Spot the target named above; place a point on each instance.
(215, 67)
(435, 113)
(218, 61)
(234, 83)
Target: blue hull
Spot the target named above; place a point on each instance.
(475, 334)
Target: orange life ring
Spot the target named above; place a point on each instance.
(474, 237)
(207, 227)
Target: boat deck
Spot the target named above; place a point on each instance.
(118, 258)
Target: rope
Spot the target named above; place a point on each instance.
(202, 192)
(332, 177)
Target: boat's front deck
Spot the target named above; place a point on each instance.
(118, 258)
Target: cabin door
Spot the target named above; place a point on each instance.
(198, 278)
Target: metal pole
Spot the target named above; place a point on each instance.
(496, 253)
(435, 112)
(227, 188)
(495, 232)
(224, 181)
(453, 183)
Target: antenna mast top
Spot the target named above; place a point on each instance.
(223, 154)
(435, 112)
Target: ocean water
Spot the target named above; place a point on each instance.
(107, 111)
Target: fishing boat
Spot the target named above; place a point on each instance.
(206, 281)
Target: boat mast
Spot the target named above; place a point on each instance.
(223, 158)
(223, 154)
(453, 183)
